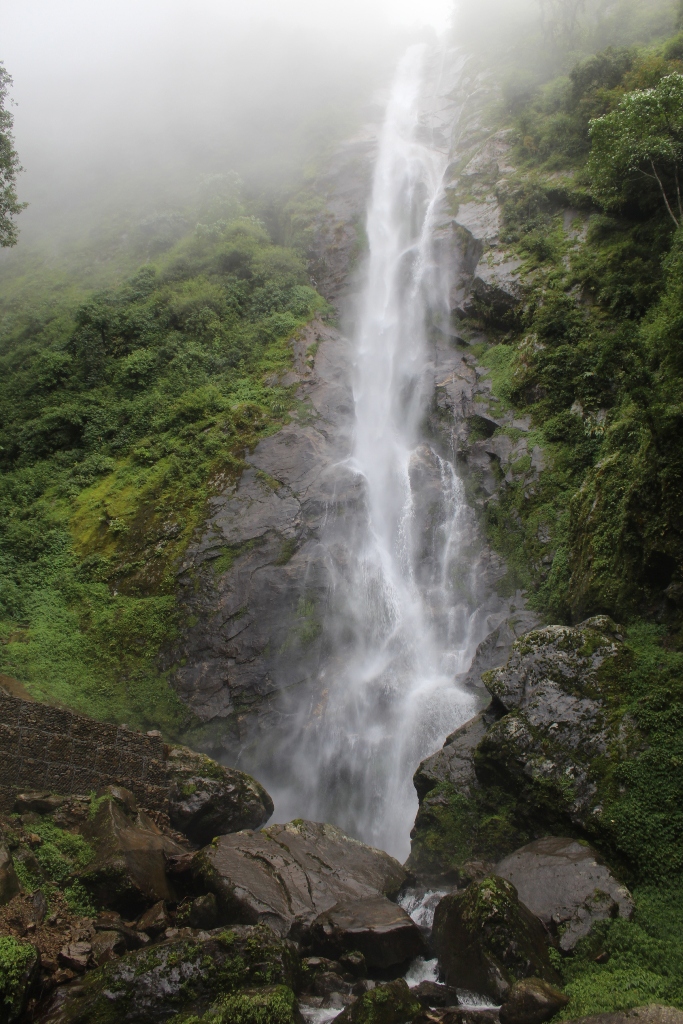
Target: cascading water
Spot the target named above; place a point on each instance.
(400, 625)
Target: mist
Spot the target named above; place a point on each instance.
(126, 105)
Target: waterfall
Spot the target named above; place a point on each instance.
(401, 623)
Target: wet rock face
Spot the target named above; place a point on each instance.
(486, 939)
(287, 875)
(376, 927)
(567, 886)
(207, 799)
(527, 764)
(152, 985)
(255, 583)
(531, 1001)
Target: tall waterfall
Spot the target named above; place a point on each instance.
(399, 619)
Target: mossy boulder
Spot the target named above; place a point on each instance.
(178, 977)
(485, 939)
(392, 1003)
(19, 967)
(206, 799)
(540, 760)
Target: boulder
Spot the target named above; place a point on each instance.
(201, 912)
(433, 994)
(565, 883)
(129, 868)
(287, 875)
(19, 970)
(155, 920)
(206, 799)
(527, 766)
(531, 1001)
(376, 927)
(485, 939)
(151, 985)
(392, 1003)
(107, 945)
(9, 883)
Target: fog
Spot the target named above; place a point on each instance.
(129, 102)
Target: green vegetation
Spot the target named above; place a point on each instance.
(262, 1006)
(119, 419)
(9, 167)
(593, 358)
(17, 959)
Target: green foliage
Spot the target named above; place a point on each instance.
(641, 961)
(79, 900)
(16, 959)
(61, 854)
(268, 1006)
(119, 420)
(9, 167)
(642, 138)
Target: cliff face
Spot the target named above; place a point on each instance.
(255, 585)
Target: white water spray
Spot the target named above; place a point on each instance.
(401, 624)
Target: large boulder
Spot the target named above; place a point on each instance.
(392, 1003)
(286, 875)
(207, 799)
(153, 984)
(539, 760)
(565, 883)
(128, 871)
(485, 939)
(376, 927)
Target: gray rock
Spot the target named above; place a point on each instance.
(566, 884)
(531, 1001)
(187, 975)
(454, 762)
(206, 799)
(107, 945)
(431, 993)
(155, 920)
(129, 868)
(556, 719)
(486, 939)
(286, 875)
(9, 883)
(376, 927)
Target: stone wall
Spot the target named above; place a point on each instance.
(51, 748)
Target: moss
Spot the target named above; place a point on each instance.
(267, 1006)
(61, 854)
(79, 900)
(17, 960)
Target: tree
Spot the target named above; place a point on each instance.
(9, 167)
(641, 139)
(560, 20)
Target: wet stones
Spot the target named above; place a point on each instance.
(567, 886)
(287, 875)
(486, 939)
(376, 927)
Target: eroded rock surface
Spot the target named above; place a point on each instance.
(566, 884)
(286, 875)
